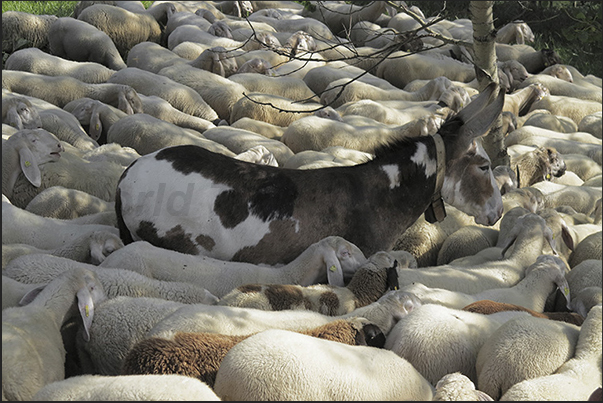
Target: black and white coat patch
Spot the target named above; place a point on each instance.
(192, 200)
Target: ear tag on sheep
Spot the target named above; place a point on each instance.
(87, 309)
(333, 268)
(548, 177)
(27, 163)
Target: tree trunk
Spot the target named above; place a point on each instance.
(485, 59)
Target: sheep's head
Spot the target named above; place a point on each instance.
(34, 147)
(556, 165)
(220, 29)
(21, 114)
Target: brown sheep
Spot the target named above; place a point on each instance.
(538, 165)
(199, 355)
(487, 307)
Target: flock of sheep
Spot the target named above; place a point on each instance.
(456, 311)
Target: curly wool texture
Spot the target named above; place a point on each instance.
(21, 28)
(125, 28)
(37, 61)
(199, 355)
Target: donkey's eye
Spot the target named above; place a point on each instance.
(485, 168)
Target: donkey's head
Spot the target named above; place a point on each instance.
(469, 184)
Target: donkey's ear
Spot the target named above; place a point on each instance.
(480, 114)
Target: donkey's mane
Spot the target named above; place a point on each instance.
(450, 128)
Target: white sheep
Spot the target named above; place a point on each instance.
(331, 259)
(20, 28)
(67, 128)
(340, 17)
(162, 109)
(146, 134)
(519, 135)
(582, 166)
(540, 280)
(37, 61)
(259, 155)
(591, 124)
(582, 198)
(218, 92)
(198, 355)
(285, 86)
(42, 268)
(96, 116)
(23, 153)
(545, 119)
(320, 77)
(458, 387)
(519, 101)
(118, 325)
(283, 365)
(523, 348)
(91, 247)
(72, 171)
(60, 90)
(521, 246)
(438, 340)
(13, 291)
(336, 155)
(270, 108)
(515, 31)
(193, 33)
(32, 348)
(584, 275)
(122, 322)
(558, 86)
(18, 112)
(574, 108)
(152, 57)
(266, 129)
(369, 283)
(21, 226)
(133, 387)
(315, 133)
(125, 28)
(177, 18)
(465, 241)
(63, 203)
(577, 378)
(345, 90)
(534, 60)
(178, 95)
(80, 41)
(239, 140)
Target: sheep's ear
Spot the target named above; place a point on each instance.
(548, 235)
(29, 166)
(13, 118)
(85, 305)
(483, 396)
(123, 104)
(563, 286)
(334, 270)
(96, 126)
(392, 277)
(217, 67)
(567, 237)
(31, 295)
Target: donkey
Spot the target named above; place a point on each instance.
(191, 200)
